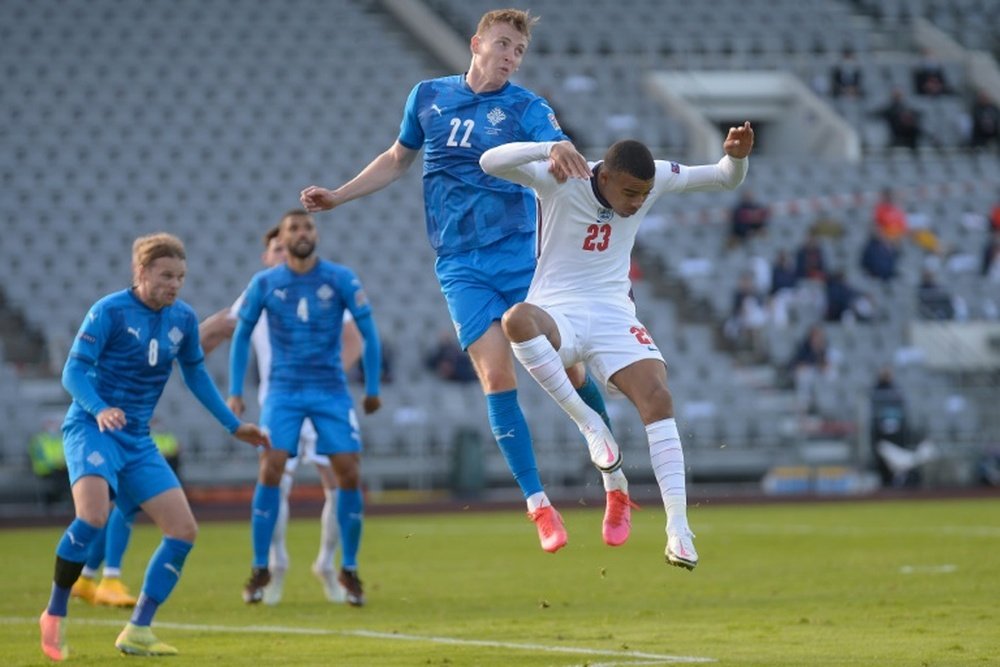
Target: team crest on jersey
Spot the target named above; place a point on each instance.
(605, 214)
(554, 122)
(325, 292)
(175, 336)
(496, 116)
(675, 168)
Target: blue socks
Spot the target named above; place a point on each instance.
(71, 553)
(266, 501)
(76, 542)
(119, 533)
(514, 440)
(350, 516)
(96, 554)
(591, 395)
(161, 576)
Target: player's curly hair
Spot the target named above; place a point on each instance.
(147, 249)
(519, 19)
(631, 157)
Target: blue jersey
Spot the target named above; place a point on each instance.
(465, 207)
(305, 314)
(131, 349)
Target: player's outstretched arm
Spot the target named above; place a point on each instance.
(216, 328)
(379, 173)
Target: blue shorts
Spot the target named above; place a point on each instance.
(131, 464)
(481, 284)
(332, 414)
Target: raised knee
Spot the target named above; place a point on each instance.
(515, 322)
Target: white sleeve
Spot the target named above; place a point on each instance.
(727, 174)
(234, 310)
(522, 162)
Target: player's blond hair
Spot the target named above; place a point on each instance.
(519, 19)
(147, 249)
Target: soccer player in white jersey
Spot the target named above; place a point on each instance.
(219, 327)
(578, 306)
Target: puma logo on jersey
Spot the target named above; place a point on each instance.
(281, 294)
(436, 108)
(134, 331)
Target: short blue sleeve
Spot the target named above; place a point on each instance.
(411, 134)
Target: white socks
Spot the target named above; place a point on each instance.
(542, 361)
(329, 531)
(278, 558)
(667, 457)
(615, 481)
(537, 500)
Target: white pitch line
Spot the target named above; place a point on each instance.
(631, 656)
(947, 568)
(988, 532)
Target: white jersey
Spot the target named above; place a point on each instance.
(584, 248)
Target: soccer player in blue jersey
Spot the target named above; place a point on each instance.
(482, 228)
(116, 370)
(220, 327)
(305, 299)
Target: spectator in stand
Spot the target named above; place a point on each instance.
(812, 363)
(903, 120)
(889, 217)
(749, 219)
(888, 421)
(880, 255)
(449, 361)
(810, 260)
(846, 76)
(783, 283)
(747, 316)
(985, 116)
(844, 302)
(933, 301)
(928, 76)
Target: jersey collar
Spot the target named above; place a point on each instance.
(593, 185)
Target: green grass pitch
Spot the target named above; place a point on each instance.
(841, 583)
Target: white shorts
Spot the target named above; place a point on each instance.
(307, 449)
(605, 337)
